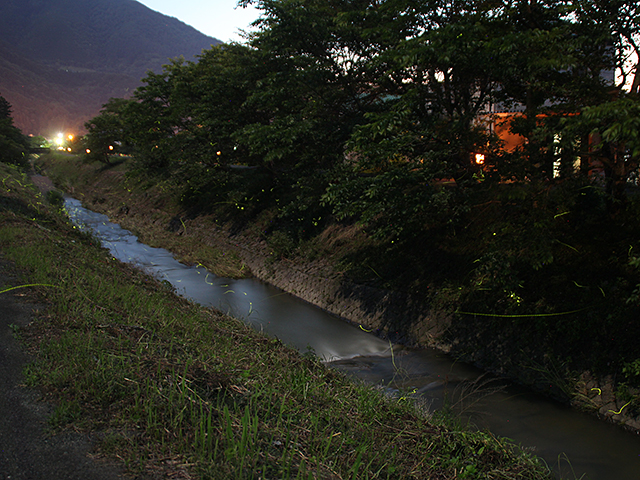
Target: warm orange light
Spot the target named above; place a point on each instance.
(480, 158)
(88, 151)
(70, 137)
(68, 149)
(110, 147)
(218, 153)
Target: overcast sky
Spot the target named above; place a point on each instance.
(216, 18)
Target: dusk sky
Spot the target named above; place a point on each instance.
(216, 18)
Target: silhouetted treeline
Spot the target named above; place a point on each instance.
(14, 146)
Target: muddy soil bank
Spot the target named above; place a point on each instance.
(397, 316)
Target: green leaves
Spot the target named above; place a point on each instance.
(14, 146)
(384, 98)
(398, 203)
(617, 122)
(108, 132)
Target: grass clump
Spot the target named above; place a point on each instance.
(177, 389)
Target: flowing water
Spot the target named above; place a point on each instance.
(594, 449)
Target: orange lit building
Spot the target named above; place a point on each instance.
(499, 122)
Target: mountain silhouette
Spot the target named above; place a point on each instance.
(61, 60)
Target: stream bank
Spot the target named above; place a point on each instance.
(163, 378)
(399, 317)
(434, 380)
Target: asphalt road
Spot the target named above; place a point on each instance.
(27, 450)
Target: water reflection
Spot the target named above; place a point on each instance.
(266, 308)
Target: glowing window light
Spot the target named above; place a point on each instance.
(480, 158)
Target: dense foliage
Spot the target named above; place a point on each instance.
(373, 111)
(14, 146)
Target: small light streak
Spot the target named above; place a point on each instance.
(29, 285)
(619, 411)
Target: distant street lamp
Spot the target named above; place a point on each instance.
(61, 139)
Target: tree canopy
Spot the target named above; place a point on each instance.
(14, 146)
(351, 95)
(491, 142)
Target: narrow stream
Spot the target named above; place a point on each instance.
(595, 450)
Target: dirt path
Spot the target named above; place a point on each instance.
(27, 452)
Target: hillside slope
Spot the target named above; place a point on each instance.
(61, 60)
(46, 99)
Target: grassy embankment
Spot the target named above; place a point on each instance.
(174, 387)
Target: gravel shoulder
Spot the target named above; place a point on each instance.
(27, 450)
